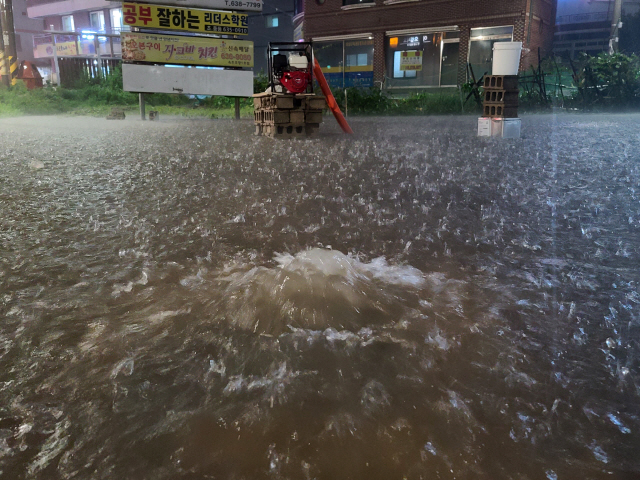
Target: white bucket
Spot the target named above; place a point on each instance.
(506, 58)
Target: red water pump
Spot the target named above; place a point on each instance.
(295, 81)
(291, 67)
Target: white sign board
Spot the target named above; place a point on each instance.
(187, 80)
(248, 5)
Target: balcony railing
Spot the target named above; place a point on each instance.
(77, 44)
(583, 18)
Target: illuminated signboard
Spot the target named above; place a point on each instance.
(182, 50)
(159, 17)
(411, 60)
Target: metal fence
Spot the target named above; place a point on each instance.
(78, 54)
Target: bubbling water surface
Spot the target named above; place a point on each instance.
(182, 300)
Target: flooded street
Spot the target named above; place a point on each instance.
(183, 300)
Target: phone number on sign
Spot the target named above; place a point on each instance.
(237, 56)
(241, 4)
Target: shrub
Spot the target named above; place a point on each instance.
(606, 81)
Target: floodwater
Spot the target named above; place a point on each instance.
(182, 300)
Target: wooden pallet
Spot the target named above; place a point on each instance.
(287, 116)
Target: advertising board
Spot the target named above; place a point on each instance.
(187, 80)
(183, 50)
(184, 19)
(411, 60)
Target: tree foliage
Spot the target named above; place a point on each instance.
(608, 80)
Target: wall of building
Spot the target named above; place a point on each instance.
(25, 28)
(585, 25)
(261, 34)
(81, 20)
(331, 18)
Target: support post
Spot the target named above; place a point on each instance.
(237, 102)
(4, 61)
(141, 100)
(11, 50)
(55, 59)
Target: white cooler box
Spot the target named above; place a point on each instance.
(499, 127)
(505, 127)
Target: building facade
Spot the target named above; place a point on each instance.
(273, 24)
(25, 28)
(85, 18)
(417, 44)
(97, 16)
(589, 26)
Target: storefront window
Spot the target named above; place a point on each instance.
(481, 47)
(359, 63)
(418, 60)
(346, 63)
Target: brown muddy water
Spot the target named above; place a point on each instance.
(183, 300)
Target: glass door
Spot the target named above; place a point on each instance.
(449, 67)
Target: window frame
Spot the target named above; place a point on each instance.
(100, 13)
(490, 38)
(269, 20)
(62, 22)
(117, 28)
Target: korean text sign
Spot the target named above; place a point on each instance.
(411, 60)
(185, 19)
(182, 50)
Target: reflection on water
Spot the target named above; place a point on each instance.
(184, 300)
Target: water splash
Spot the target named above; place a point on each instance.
(317, 289)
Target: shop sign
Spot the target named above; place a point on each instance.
(183, 50)
(411, 60)
(412, 41)
(359, 43)
(63, 49)
(184, 19)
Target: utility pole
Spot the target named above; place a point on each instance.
(616, 24)
(4, 77)
(9, 52)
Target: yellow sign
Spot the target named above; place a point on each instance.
(64, 49)
(411, 60)
(185, 19)
(183, 50)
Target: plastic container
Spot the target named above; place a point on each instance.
(484, 127)
(505, 127)
(506, 58)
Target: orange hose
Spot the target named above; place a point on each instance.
(331, 101)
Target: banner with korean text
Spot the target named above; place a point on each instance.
(182, 50)
(184, 19)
